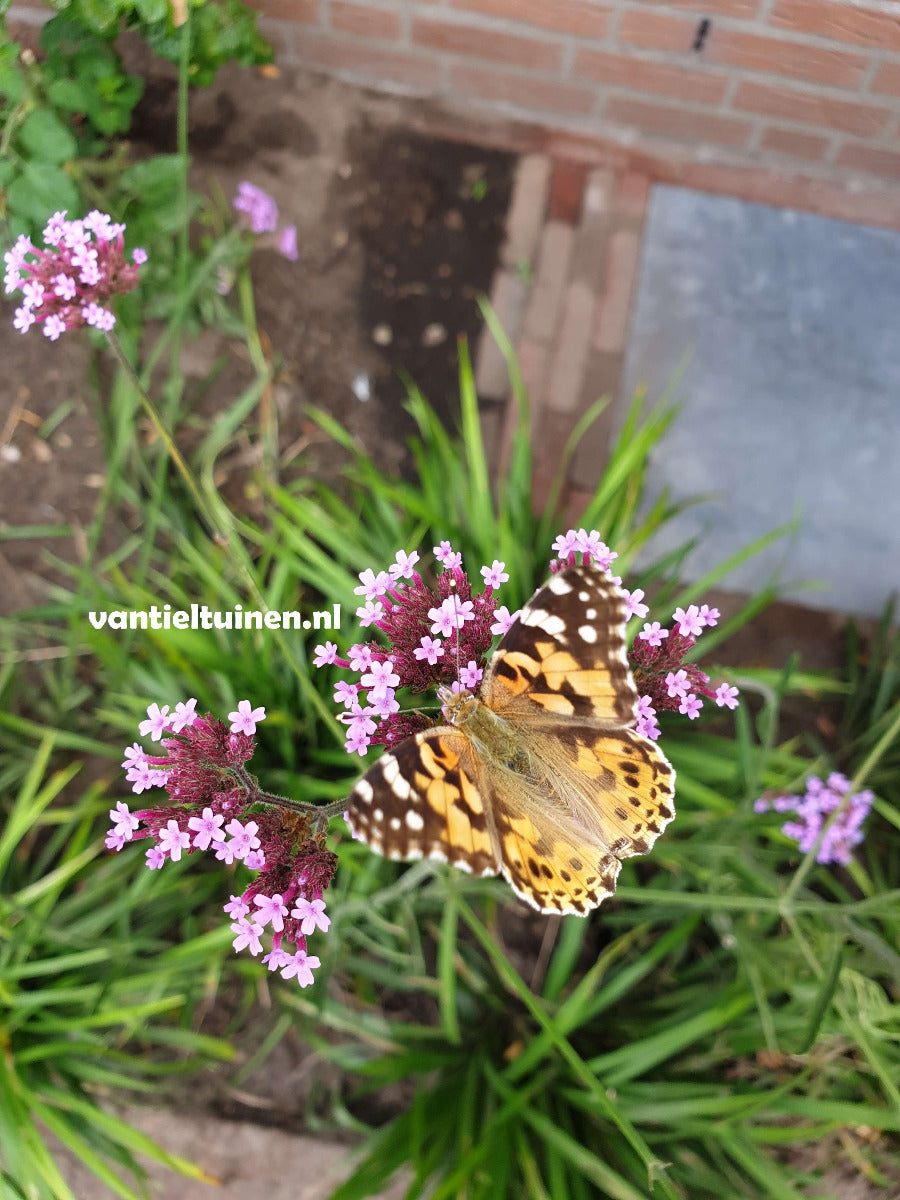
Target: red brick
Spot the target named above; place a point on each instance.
(747, 50)
(562, 16)
(370, 62)
(526, 52)
(845, 115)
(710, 8)
(566, 191)
(550, 276)
(807, 146)
(870, 160)
(571, 352)
(303, 12)
(641, 76)
(840, 22)
(655, 31)
(509, 295)
(667, 121)
(491, 84)
(887, 81)
(364, 20)
(614, 308)
(526, 210)
(632, 195)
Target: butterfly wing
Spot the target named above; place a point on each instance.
(561, 674)
(564, 657)
(426, 799)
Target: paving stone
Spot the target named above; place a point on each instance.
(790, 395)
(509, 297)
(247, 1162)
(554, 255)
(527, 208)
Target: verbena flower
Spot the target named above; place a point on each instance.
(443, 633)
(262, 216)
(66, 284)
(212, 806)
(813, 811)
(259, 207)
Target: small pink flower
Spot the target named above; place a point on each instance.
(300, 965)
(245, 719)
(173, 839)
(653, 634)
(495, 574)
(503, 619)
(272, 911)
(403, 568)
(287, 243)
(726, 696)
(207, 828)
(156, 724)
(430, 649)
(184, 714)
(691, 706)
(690, 623)
(470, 675)
(677, 683)
(324, 655)
(311, 915)
(248, 933)
(633, 605)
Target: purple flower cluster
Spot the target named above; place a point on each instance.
(815, 808)
(443, 634)
(65, 285)
(262, 215)
(210, 797)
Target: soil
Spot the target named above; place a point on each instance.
(397, 236)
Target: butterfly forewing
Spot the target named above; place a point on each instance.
(565, 658)
(424, 800)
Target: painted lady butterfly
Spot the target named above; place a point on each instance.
(541, 777)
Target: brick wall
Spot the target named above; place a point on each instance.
(690, 90)
(811, 86)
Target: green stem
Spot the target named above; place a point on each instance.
(166, 437)
(859, 778)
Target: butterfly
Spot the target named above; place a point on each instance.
(541, 777)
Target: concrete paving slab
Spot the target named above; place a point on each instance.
(791, 395)
(244, 1162)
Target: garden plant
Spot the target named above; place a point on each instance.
(731, 1006)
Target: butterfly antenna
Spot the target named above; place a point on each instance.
(456, 611)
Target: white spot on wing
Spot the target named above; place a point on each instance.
(583, 596)
(559, 586)
(389, 766)
(545, 621)
(587, 633)
(364, 790)
(414, 820)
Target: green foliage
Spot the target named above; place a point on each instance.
(100, 966)
(62, 115)
(220, 30)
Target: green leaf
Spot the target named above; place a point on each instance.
(43, 136)
(71, 94)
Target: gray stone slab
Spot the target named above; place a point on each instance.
(791, 394)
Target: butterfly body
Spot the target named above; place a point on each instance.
(541, 777)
